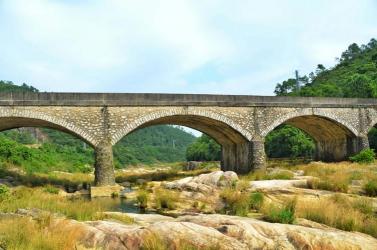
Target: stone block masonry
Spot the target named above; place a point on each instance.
(339, 126)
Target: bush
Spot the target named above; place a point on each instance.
(4, 192)
(370, 188)
(365, 156)
(51, 189)
(256, 200)
(281, 214)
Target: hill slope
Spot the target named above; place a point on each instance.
(354, 75)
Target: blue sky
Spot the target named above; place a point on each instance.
(206, 46)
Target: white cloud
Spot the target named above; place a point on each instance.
(241, 47)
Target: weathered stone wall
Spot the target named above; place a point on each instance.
(239, 123)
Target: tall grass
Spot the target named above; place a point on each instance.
(26, 234)
(338, 176)
(166, 199)
(341, 212)
(79, 209)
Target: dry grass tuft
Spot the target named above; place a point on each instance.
(166, 199)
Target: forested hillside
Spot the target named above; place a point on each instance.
(43, 149)
(354, 75)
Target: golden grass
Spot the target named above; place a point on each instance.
(236, 201)
(338, 176)
(79, 209)
(27, 234)
(123, 218)
(152, 241)
(341, 212)
(166, 199)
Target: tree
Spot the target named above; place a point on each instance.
(288, 141)
(286, 87)
(359, 86)
(204, 149)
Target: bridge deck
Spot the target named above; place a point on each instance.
(148, 99)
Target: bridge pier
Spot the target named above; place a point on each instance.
(243, 157)
(340, 149)
(362, 142)
(258, 154)
(104, 178)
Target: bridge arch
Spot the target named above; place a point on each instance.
(235, 140)
(14, 118)
(335, 138)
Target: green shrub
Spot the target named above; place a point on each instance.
(4, 192)
(280, 175)
(281, 214)
(370, 188)
(365, 156)
(51, 189)
(256, 200)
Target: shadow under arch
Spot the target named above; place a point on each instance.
(235, 146)
(334, 141)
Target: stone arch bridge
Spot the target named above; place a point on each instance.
(239, 123)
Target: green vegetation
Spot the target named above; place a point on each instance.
(354, 75)
(151, 145)
(370, 188)
(204, 149)
(256, 200)
(364, 156)
(284, 213)
(296, 143)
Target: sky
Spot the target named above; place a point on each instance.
(175, 46)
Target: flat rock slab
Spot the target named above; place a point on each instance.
(278, 184)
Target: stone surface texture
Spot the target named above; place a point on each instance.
(221, 232)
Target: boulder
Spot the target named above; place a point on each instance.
(210, 231)
(205, 182)
(278, 184)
